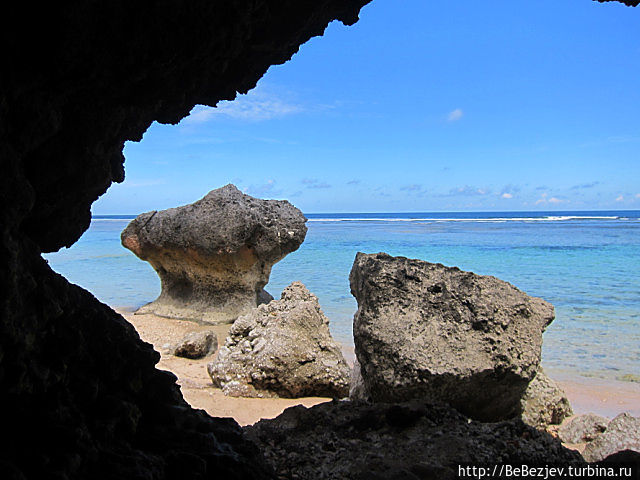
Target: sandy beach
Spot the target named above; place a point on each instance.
(603, 397)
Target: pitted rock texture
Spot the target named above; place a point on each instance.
(283, 349)
(407, 441)
(357, 388)
(544, 402)
(214, 256)
(582, 428)
(423, 330)
(80, 393)
(622, 433)
(197, 345)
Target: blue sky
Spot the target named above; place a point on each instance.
(421, 106)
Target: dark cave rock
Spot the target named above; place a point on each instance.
(344, 440)
(80, 392)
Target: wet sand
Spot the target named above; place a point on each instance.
(603, 397)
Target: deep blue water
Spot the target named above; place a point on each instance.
(587, 264)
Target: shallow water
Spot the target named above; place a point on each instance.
(587, 264)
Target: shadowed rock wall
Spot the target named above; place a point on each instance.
(81, 397)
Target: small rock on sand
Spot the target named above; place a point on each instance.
(197, 345)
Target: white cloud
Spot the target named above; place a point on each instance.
(257, 105)
(553, 200)
(455, 115)
(620, 198)
(507, 195)
(637, 195)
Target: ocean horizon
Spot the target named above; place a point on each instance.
(586, 263)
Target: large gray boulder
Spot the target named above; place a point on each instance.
(423, 330)
(544, 402)
(282, 349)
(582, 428)
(622, 433)
(214, 256)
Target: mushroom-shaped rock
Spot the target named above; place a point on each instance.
(283, 348)
(214, 256)
(423, 330)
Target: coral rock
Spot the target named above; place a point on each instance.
(284, 349)
(197, 345)
(423, 330)
(544, 402)
(214, 256)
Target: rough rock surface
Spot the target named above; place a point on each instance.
(357, 388)
(582, 428)
(214, 256)
(81, 397)
(423, 330)
(197, 345)
(544, 402)
(408, 441)
(622, 433)
(283, 348)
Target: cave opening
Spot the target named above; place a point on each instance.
(82, 394)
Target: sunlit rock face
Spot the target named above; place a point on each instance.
(214, 256)
(427, 331)
(80, 393)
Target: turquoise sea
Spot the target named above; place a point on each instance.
(587, 264)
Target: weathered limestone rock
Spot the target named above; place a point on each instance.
(214, 256)
(197, 345)
(544, 402)
(284, 349)
(357, 389)
(582, 428)
(622, 433)
(407, 441)
(423, 330)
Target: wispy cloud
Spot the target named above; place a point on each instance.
(314, 183)
(257, 105)
(353, 182)
(509, 191)
(269, 188)
(412, 188)
(455, 115)
(583, 186)
(468, 191)
(637, 195)
(620, 198)
(545, 199)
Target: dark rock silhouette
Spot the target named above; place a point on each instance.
(284, 349)
(408, 441)
(80, 392)
(214, 256)
(423, 330)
